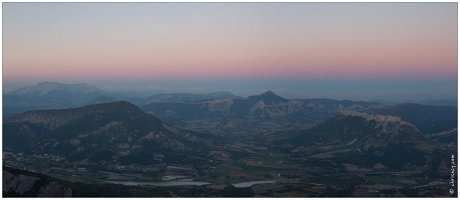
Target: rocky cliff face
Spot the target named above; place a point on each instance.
(30, 186)
(383, 121)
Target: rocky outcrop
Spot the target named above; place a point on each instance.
(30, 186)
(377, 118)
(54, 189)
(389, 124)
(219, 105)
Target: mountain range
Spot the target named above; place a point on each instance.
(265, 113)
(178, 97)
(363, 141)
(120, 132)
(117, 131)
(57, 90)
(48, 95)
(303, 144)
(53, 95)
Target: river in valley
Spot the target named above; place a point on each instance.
(163, 184)
(183, 183)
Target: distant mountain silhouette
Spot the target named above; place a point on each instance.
(53, 95)
(49, 95)
(428, 119)
(429, 102)
(185, 97)
(57, 90)
(102, 99)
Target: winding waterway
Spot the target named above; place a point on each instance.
(163, 184)
(251, 183)
(183, 183)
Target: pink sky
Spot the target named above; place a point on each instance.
(241, 41)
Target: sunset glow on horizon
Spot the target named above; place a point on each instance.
(85, 42)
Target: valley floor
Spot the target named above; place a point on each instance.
(267, 174)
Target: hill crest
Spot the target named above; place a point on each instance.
(57, 117)
(44, 88)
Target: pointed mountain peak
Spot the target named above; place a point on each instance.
(269, 92)
(269, 98)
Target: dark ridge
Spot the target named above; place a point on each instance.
(119, 107)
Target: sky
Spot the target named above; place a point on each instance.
(356, 51)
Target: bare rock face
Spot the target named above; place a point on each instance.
(19, 184)
(219, 105)
(23, 185)
(378, 118)
(54, 189)
(383, 120)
